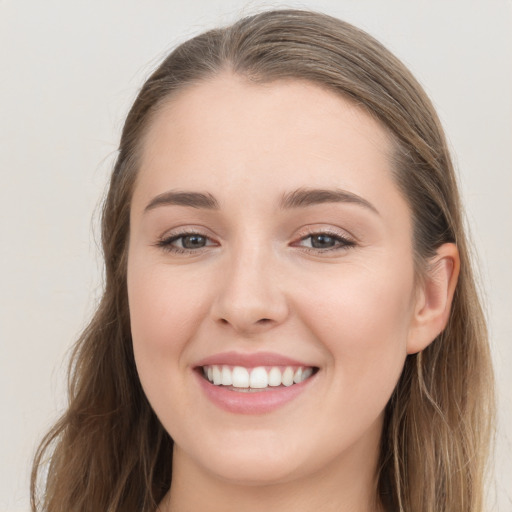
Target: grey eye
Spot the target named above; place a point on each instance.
(322, 241)
(193, 241)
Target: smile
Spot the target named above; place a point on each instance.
(240, 378)
(254, 383)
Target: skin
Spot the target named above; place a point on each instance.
(354, 310)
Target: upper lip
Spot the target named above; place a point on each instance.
(250, 360)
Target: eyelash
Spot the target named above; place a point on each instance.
(341, 242)
(166, 242)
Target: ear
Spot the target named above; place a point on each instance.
(434, 298)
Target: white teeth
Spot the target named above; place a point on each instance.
(256, 378)
(227, 379)
(259, 378)
(240, 377)
(217, 376)
(288, 376)
(274, 377)
(306, 374)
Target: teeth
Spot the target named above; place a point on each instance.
(259, 378)
(217, 376)
(274, 377)
(239, 377)
(256, 378)
(227, 379)
(307, 373)
(288, 377)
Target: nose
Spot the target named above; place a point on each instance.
(250, 297)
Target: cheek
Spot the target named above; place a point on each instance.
(160, 304)
(164, 312)
(362, 317)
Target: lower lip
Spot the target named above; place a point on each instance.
(252, 402)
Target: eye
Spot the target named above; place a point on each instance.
(191, 241)
(185, 242)
(322, 242)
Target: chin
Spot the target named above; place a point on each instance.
(252, 464)
(256, 473)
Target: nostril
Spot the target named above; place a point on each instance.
(246, 323)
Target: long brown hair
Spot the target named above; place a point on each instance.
(109, 452)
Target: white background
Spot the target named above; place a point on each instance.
(68, 73)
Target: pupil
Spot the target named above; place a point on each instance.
(193, 241)
(322, 241)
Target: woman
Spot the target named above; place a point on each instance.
(289, 319)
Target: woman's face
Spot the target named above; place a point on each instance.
(267, 232)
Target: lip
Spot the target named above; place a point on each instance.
(256, 402)
(250, 360)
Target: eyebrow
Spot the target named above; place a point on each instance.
(304, 197)
(300, 198)
(183, 198)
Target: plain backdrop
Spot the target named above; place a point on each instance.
(68, 73)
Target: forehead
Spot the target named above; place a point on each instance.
(232, 135)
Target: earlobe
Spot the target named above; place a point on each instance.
(434, 298)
